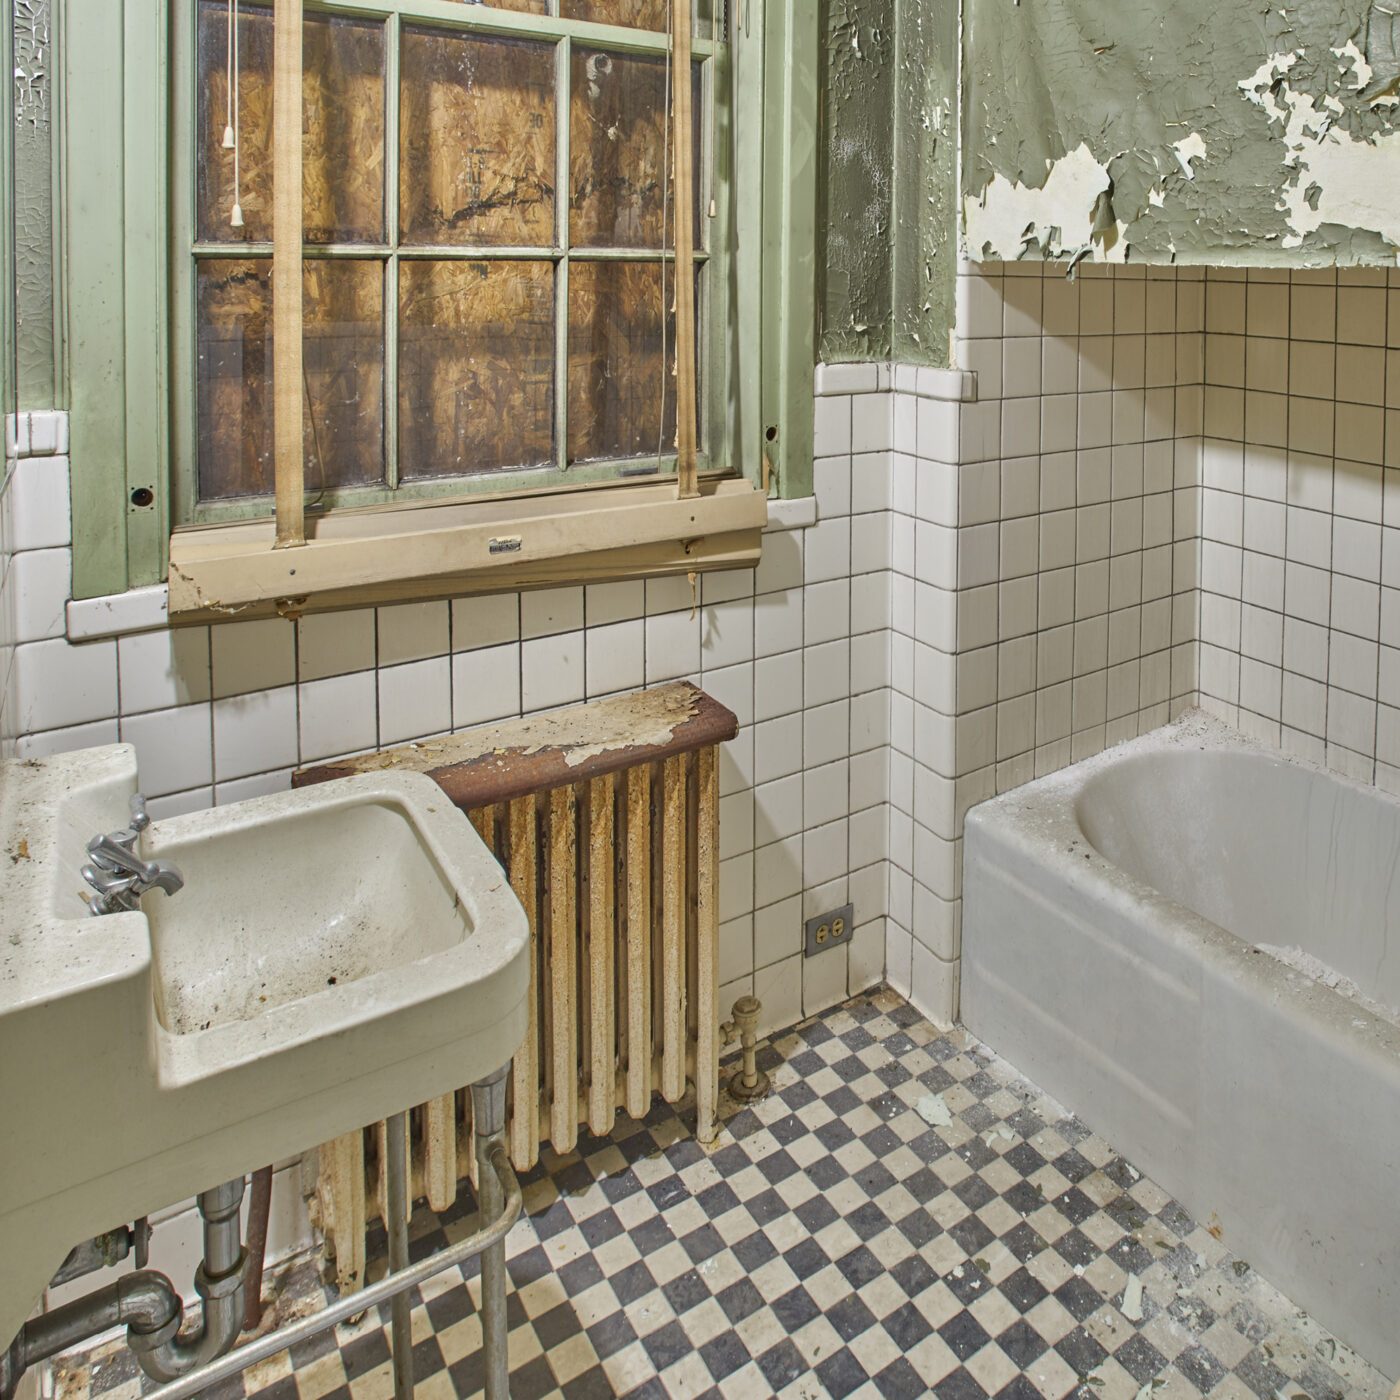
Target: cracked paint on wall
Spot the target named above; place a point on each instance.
(1233, 132)
(925, 206)
(32, 114)
(887, 204)
(854, 210)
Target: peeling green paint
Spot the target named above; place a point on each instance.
(33, 78)
(1229, 131)
(855, 183)
(887, 204)
(925, 174)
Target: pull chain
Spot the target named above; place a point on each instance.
(228, 85)
(665, 196)
(231, 131)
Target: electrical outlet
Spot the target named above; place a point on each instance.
(829, 930)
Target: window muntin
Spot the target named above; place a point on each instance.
(470, 329)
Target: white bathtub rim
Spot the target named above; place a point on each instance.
(1039, 821)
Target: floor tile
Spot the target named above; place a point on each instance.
(831, 1243)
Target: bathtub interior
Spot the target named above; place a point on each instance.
(1271, 850)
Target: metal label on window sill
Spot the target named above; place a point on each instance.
(504, 544)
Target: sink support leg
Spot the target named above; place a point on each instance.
(489, 1123)
(396, 1203)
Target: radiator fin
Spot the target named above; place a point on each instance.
(619, 878)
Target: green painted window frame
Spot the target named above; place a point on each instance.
(130, 360)
(9, 362)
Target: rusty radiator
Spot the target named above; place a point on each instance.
(605, 818)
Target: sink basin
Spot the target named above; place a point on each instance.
(338, 953)
(363, 892)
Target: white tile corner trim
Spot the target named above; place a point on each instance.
(118, 614)
(794, 513)
(41, 433)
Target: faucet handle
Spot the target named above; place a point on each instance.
(140, 818)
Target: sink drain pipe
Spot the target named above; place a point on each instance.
(500, 1200)
(151, 1309)
(163, 1353)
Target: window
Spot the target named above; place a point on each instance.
(478, 324)
(486, 208)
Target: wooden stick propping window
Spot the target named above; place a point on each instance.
(687, 482)
(288, 466)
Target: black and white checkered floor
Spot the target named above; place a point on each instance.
(835, 1243)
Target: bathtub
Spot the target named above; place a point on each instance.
(1111, 917)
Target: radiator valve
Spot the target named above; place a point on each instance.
(748, 1083)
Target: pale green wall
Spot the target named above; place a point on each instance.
(38, 371)
(886, 237)
(1289, 112)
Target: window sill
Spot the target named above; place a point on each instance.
(359, 558)
(144, 609)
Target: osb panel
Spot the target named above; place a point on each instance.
(529, 7)
(476, 366)
(476, 124)
(618, 151)
(616, 374)
(343, 125)
(635, 14)
(343, 429)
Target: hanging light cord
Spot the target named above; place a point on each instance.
(231, 131)
(665, 197)
(228, 85)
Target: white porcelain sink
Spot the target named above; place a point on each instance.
(337, 953)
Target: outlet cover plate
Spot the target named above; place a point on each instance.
(829, 930)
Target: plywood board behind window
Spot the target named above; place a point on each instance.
(343, 432)
(476, 140)
(476, 366)
(342, 121)
(477, 340)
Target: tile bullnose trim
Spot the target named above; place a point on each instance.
(37, 433)
(851, 377)
(798, 513)
(118, 614)
(925, 381)
(951, 385)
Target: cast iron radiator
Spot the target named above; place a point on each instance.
(605, 818)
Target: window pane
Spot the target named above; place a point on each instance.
(616, 374)
(476, 366)
(618, 151)
(476, 140)
(342, 121)
(344, 370)
(635, 14)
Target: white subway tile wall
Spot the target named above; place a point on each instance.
(1141, 489)
(797, 648)
(1043, 555)
(1300, 514)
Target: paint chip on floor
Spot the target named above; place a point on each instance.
(934, 1112)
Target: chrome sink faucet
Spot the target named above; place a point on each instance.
(118, 875)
